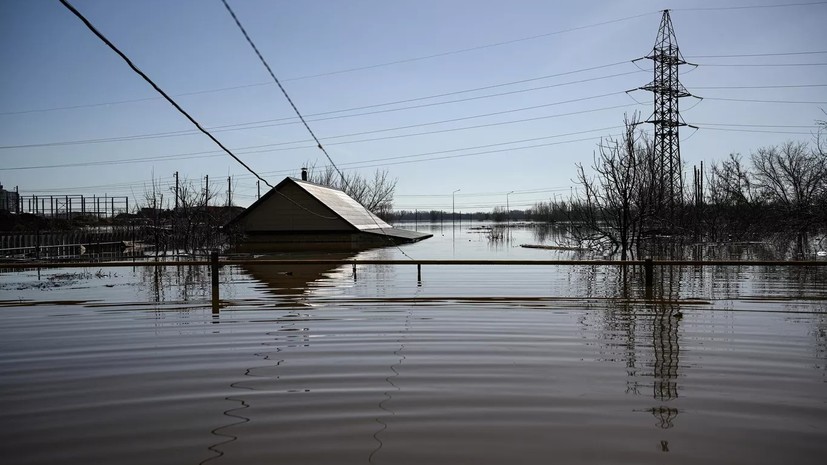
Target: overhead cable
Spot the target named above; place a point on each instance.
(283, 90)
(749, 7)
(155, 86)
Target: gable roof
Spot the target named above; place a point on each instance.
(343, 206)
(340, 205)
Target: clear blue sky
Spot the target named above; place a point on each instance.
(61, 89)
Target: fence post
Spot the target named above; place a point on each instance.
(214, 276)
(419, 272)
(649, 273)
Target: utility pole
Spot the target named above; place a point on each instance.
(508, 209)
(229, 191)
(207, 190)
(258, 189)
(667, 90)
(176, 191)
(453, 208)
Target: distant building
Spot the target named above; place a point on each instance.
(300, 215)
(9, 200)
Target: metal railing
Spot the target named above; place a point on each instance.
(214, 263)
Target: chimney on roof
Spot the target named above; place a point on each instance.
(304, 174)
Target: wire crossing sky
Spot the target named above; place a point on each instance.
(483, 96)
(158, 89)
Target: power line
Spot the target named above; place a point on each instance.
(249, 125)
(708, 126)
(512, 149)
(135, 100)
(759, 54)
(246, 150)
(464, 128)
(125, 185)
(176, 133)
(758, 65)
(426, 105)
(755, 131)
(424, 57)
(798, 102)
(222, 89)
(298, 113)
(749, 7)
(221, 128)
(440, 152)
(484, 115)
(283, 91)
(188, 156)
(796, 86)
(294, 120)
(538, 36)
(487, 194)
(171, 101)
(810, 126)
(476, 89)
(464, 50)
(155, 86)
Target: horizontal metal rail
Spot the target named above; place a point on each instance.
(214, 263)
(331, 262)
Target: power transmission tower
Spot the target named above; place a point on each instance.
(667, 90)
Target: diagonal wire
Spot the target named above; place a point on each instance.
(283, 91)
(178, 107)
(155, 86)
(298, 113)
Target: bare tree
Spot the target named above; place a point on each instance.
(375, 194)
(820, 151)
(732, 200)
(196, 224)
(792, 179)
(152, 211)
(617, 200)
(729, 182)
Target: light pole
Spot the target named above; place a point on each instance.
(508, 209)
(453, 207)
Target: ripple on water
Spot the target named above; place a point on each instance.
(474, 373)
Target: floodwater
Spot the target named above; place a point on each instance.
(469, 365)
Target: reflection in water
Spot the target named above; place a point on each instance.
(666, 316)
(667, 351)
(296, 337)
(238, 420)
(294, 280)
(667, 358)
(551, 234)
(641, 322)
(183, 283)
(395, 388)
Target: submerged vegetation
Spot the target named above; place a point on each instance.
(778, 194)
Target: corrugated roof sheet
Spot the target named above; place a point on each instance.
(344, 206)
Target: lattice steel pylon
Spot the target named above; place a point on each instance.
(667, 90)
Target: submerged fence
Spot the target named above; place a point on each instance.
(56, 244)
(647, 266)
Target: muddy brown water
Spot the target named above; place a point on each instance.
(469, 365)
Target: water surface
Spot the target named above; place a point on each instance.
(467, 365)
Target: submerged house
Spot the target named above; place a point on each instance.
(301, 215)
